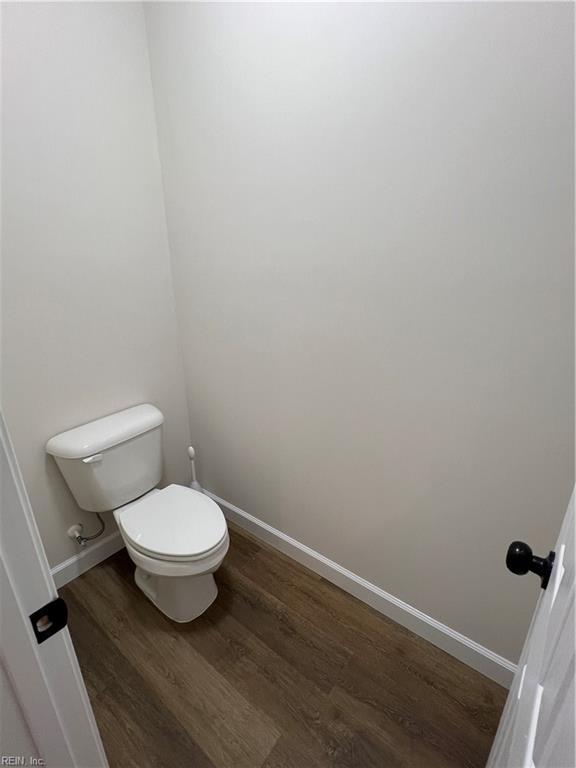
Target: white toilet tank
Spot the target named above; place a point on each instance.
(111, 461)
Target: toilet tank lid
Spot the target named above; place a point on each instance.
(104, 433)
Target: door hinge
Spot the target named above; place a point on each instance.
(49, 619)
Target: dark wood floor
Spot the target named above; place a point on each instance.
(283, 671)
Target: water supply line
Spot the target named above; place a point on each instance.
(75, 532)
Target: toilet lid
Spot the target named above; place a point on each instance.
(174, 522)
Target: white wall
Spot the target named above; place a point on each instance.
(89, 324)
(370, 215)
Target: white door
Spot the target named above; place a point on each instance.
(43, 685)
(538, 724)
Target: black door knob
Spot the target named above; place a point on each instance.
(520, 560)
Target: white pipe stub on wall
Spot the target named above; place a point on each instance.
(194, 484)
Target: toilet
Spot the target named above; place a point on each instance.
(176, 536)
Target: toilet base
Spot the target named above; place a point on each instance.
(181, 598)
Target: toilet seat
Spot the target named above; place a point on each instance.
(175, 524)
(179, 568)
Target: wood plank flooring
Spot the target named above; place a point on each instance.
(283, 671)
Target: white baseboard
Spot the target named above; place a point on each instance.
(86, 559)
(461, 647)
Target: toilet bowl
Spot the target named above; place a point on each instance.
(177, 538)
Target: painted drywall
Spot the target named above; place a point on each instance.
(89, 324)
(370, 213)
